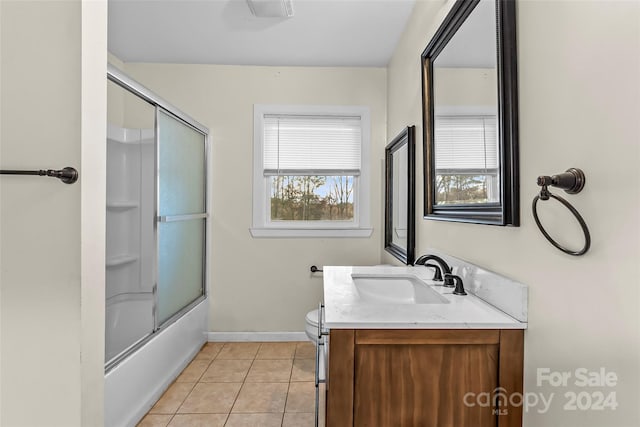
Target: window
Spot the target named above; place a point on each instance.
(311, 174)
(467, 166)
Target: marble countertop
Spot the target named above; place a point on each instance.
(344, 308)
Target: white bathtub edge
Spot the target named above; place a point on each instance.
(133, 387)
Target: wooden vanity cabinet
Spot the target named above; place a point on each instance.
(411, 378)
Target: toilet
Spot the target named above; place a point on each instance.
(311, 329)
(311, 319)
(311, 325)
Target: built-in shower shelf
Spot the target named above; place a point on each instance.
(132, 143)
(120, 260)
(116, 134)
(122, 205)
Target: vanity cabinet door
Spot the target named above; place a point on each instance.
(426, 378)
(339, 408)
(419, 379)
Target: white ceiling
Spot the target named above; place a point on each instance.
(474, 44)
(321, 32)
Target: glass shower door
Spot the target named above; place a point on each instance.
(129, 226)
(181, 220)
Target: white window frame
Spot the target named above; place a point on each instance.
(262, 226)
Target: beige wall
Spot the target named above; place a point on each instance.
(579, 86)
(115, 96)
(265, 284)
(579, 106)
(51, 235)
(92, 210)
(465, 86)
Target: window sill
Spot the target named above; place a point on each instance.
(310, 232)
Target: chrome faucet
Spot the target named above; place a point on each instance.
(444, 269)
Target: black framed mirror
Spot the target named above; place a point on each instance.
(470, 115)
(399, 212)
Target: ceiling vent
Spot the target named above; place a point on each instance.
(271, 8)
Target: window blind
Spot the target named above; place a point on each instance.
(311, 145)
(466, 143)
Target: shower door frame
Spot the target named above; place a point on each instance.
(119, 78)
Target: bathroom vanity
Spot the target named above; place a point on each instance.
(405, 351)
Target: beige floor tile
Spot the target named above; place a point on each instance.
(305, 350)
(198, 420)
(172, 398)
(239, 350)
(209, 351)
(270, 371)
(226, 371)
(210, 398)
(300, 419)
(193, 371)
(276, 350)
(254, 420)
(261, 398)
(155, 421)
(303, 370)
(301, 397)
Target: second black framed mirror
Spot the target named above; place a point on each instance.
(470, 116)
(399, 212)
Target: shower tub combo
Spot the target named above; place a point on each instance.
(156, 266)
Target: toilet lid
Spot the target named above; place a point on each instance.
(312, 317)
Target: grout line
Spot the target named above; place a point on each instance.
(246, 375)
(205, 370)
(237, 394)
(185, 398)
(244, 381)
(228, 414)
(218, 352)
(286, 399)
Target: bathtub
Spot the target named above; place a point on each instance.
(127, 317)
(137, 382)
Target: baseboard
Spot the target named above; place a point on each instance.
(256, 336)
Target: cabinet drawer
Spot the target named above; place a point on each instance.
(427, 336)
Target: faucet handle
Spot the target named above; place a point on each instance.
(459, 286)
(449, 281)
(437, 275)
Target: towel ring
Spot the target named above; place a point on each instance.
(572, 181)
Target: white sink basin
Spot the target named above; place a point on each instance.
(395, 289)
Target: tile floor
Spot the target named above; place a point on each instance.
(241, 384)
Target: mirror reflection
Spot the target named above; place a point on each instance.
(470, 115)
(465, 113)
(400, 196)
